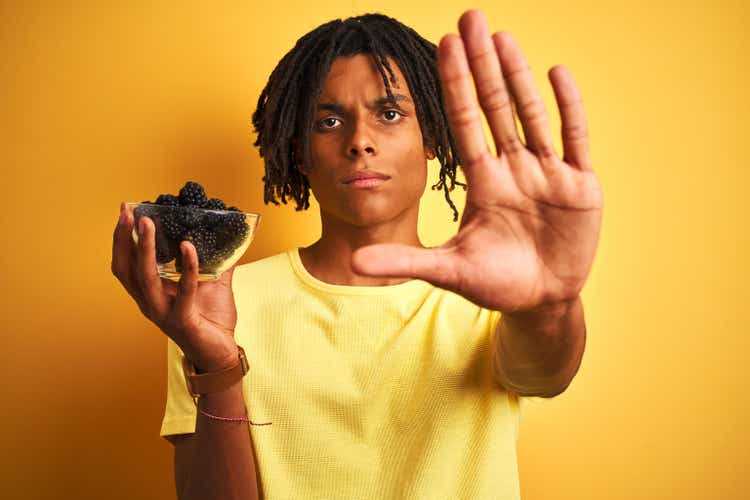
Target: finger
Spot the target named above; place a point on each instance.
(460, 104)
(147, 270)
(488, 78)
(434, 265)
(188, 285)
(523, 89)
(574, 129)
(124, 256)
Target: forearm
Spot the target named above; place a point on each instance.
(223, 462)
(537, 353)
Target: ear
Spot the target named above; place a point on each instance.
(429, 149)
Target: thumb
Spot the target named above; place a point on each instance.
(434, 265)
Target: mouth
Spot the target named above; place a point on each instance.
(366, 182)
(365, 179)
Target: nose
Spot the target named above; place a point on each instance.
(361, 143)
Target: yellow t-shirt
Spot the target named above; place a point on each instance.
(372, 392)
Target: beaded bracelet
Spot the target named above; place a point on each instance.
(230, 419)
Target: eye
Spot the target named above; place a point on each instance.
(327, 123)
(390, 112)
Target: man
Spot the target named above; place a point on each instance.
(381, 368)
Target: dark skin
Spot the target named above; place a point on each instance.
(362, 133)
(527, 237)
(530, 228)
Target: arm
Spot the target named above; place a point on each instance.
(217, 460)
(222, 462)
(538, 352)
(530, 227)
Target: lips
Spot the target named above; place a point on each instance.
(365, 174)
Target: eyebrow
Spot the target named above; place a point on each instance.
(338, 108)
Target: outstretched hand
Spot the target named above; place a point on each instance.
(530, 227)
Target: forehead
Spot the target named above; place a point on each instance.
(358, 75)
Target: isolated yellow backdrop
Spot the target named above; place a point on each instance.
(105, 102)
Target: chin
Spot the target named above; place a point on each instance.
(367, 219)
(367, 214)
(371, 210)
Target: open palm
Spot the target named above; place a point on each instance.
(531, 224)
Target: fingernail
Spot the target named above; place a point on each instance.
(122, 213)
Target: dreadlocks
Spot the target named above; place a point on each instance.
(286, 107)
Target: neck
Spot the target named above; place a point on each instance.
(329, 258)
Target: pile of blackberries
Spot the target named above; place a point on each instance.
(215, 230)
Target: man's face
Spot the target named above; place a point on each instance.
(355, 129)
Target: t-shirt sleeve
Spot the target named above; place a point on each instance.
(180, 411)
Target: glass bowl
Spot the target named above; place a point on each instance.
(220, 237)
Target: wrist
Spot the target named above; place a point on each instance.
(216, 361)
(217, 365)
(543, 319)
(215, 378)
(214, 358)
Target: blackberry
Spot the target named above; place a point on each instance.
(172, 228)
(235, 221)
(213, 219)
(166, 248)
(215, 231)
(189, 217)
(169, 200)
(192, 195)
(214, 260)
(232, 231)
(215, 204)
(163, 243)
(204, 243)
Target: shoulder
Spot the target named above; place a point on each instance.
(458, 312)
(274, 261)
(449, 300)
(265, 271)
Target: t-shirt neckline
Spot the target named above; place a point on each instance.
(303, 274)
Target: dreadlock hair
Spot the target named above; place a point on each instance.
(287, 105)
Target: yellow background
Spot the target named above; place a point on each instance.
(109, 101)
